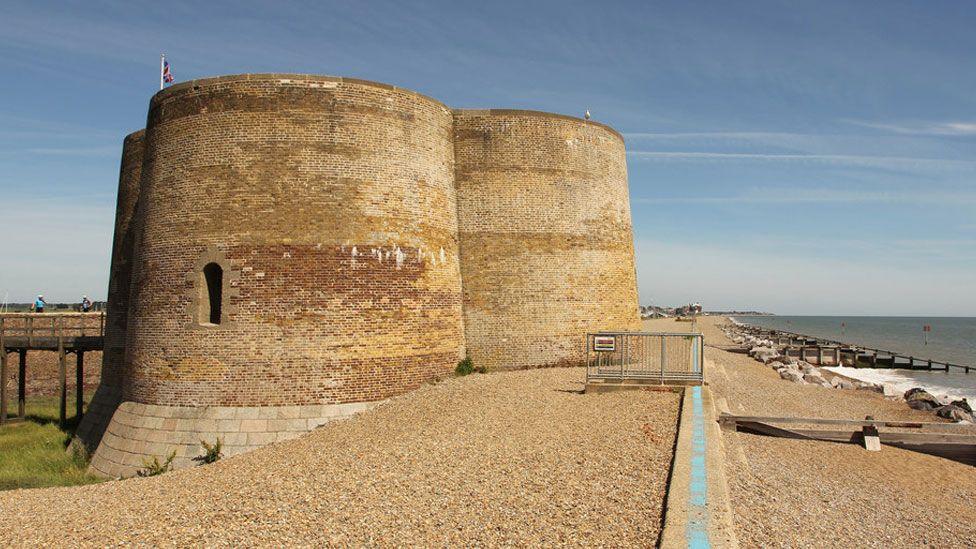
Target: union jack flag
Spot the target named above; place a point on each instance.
(167, 76)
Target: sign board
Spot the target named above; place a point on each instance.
(604, 343)
(927, 328)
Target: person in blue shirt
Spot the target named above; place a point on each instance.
(39, 304)
(86, 304)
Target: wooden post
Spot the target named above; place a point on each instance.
(872, 443)
(63, 376)
(22, 385)
(30, 331)
(3, 385)
(79, 383)
(3, 375)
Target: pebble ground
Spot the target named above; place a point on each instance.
(796, 493)
(517, 458)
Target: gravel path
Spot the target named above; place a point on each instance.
(794, 493)
(515, 458)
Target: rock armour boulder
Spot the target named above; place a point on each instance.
(791, 375)
(955, 413)
(920, 399)
(841, 383)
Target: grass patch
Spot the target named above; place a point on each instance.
(152, 468)
(33, 452)
(211, 452)
(467, 367)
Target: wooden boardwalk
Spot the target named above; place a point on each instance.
(63, 333)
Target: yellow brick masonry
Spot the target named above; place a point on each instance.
(369, 238)
(109, 392)
(547, 249)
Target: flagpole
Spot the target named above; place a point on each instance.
(162, 60)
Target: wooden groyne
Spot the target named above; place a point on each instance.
(63, 333)
(828, 352)
(938, 439)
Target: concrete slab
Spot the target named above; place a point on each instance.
(698, 513)
(610, 386)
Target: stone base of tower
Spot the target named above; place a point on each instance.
(97, 417)
(138, 432)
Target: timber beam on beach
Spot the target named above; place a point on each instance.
(954, 446)
(64, 333)
(728, 421)
(827, 352)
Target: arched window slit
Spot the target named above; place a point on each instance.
(213, 275)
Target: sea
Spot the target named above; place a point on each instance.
(950, 339)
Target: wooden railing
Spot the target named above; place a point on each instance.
(65, 333)
(51, 325)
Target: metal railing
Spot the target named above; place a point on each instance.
(645, 356)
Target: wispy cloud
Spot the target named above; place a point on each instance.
(100, 151)
(12, 123)
(824, 196)
(880, 161)
(849, 147)
(957, 128)
(713, 135)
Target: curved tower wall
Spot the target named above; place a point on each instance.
(121, 268)
(359, 239)
(546, 241)
(329, 206)
(107, 396)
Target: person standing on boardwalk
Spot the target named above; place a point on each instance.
(38, 306)
(86, 304)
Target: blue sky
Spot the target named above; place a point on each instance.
(799, 157)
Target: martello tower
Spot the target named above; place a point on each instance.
(292, 248)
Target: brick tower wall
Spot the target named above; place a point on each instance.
(121, 267)
(366, 238)
(329, 205)
(107, 396)
(546, 241)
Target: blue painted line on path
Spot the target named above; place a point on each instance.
(697, 527)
